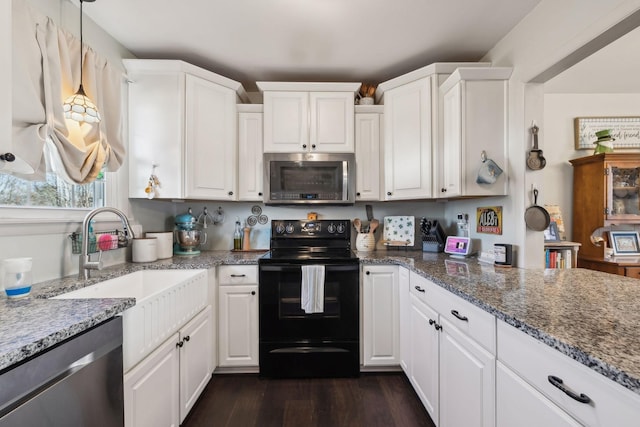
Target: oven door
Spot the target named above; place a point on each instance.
(282, 318)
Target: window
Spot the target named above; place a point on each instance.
(52, 193)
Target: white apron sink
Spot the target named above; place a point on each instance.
(165, 301)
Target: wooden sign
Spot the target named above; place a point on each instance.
(489, 220)
(625, 131)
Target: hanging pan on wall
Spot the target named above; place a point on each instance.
(536, 217)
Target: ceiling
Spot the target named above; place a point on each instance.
(309, 40)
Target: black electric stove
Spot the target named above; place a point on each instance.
(294, 343)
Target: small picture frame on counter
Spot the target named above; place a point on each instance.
(625, 243)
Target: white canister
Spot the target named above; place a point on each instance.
(144, 249)
(365, 242)
(164, 243)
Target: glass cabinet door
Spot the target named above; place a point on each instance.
(623, 197)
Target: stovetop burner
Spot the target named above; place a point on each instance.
(302, 240)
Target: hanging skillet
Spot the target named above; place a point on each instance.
(536, 217)
(535, 161)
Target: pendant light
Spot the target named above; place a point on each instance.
(78, 106)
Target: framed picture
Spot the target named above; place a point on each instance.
(625, 242)
(625, 131)
(551, 234)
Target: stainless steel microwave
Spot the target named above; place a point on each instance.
(309, 178)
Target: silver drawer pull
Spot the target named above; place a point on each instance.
(238, 275)
(459, 316)
(419, 289)
(557, 382)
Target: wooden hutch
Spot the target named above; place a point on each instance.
(605, 194)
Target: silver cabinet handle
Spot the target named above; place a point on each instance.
(557, 382)
(419, 289)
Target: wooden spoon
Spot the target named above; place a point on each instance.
(357, 224)
(373, 225)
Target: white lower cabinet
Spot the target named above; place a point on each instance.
(452, 366)
(161, 389)
(405, 319)
(519, 404)
(467, 380)
(238, 316)
(425, 353)
(380, 318)
(560, 384)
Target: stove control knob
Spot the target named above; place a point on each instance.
(331, 228)
(289, 228)
(279, 228)
(340, 228)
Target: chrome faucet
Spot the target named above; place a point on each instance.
(85, 263)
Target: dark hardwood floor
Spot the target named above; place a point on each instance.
(246, 400)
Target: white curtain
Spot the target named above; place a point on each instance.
(46, 70)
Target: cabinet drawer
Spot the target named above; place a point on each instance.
(610, 403)
(479, 325)
(237, 274)
(632, 272)
(424, 289)
(473, 321)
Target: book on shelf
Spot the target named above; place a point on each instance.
(558, 258)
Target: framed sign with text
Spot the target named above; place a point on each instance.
(489, 220)
(625, 131)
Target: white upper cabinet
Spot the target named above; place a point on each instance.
(407, 141)
(302, 117)
(368, 135)
(411, 128)
(182, 124)
(250, 125)
(473, 145)
(5, 81)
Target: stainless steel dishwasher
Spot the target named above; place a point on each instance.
(76, 383)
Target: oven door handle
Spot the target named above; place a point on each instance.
(296, 267)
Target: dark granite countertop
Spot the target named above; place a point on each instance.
(590, 316)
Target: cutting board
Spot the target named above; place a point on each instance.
(399, 230)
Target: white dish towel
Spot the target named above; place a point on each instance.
(312, 289)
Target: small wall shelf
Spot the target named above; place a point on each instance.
(561, 254)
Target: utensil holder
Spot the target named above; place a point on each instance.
(365, 242)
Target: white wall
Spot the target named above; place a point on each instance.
(559, 112)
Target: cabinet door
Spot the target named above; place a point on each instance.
(467, 380)
(424, 356)
(519, 404)
(331, 122)
(6, 106)
(367, 156)
(450, 174)
(405, 319)
(380, 315)
(151, 389)
(407, 141)
(286, 122)
(156, 133)
(238, 323)
(623, 191)
(250, 157)
(210, 132)
(195, 359)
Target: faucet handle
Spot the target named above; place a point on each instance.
(95, 265)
